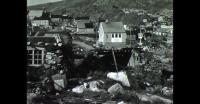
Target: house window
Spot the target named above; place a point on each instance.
(116, 35)
(112, 35)
(35, 57)
(119, 35)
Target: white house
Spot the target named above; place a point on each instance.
(112, 34)
(40, 22)
(35, 13)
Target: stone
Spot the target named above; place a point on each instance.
(116, 88)
(122, 102)
(60, 81)
(110, 102)
(93, 86)
(167, 91)
(79, 89)
(120, 76)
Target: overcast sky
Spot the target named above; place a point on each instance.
(35, 2)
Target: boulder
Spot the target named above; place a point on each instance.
(94, 85)
(79, 89)
(167, 91)
(116, 88)
(120, 76)
(60, 81)
(110, 102)
(122, 102)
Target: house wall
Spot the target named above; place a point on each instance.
(41, 22)
(32, 54)
(55, 19)
(109, 41)
(85, 30)
(101, 34)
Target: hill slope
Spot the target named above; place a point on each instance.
(104, 8)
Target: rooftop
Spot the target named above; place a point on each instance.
(113, 27)
(36, 13)
(35, 40)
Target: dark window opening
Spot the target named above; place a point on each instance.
(112, 35)
(119, 35)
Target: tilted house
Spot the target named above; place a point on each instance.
(112, 34)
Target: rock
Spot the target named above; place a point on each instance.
(154, 98)
(122, 102)
(46, 66)
(167, 91)
(60, 81)
(93, 86)
(120, 76)
(79, 89)
(110, 102)
(117, 88)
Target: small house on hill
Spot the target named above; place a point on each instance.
(112, 34)
(85, 27)
(35, 13)
(40, 21)
(56, 18)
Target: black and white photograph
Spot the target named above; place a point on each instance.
(99, 52)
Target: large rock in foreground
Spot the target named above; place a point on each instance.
(117, 88)
(120, 76)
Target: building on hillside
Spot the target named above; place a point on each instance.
(56, 18)
(164, 30)
(34, 13)
(112, 34)
(85, 27)
(82, 18)
(66, 18)
(40, 21)
(42, 47)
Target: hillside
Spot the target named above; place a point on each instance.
(106, 8)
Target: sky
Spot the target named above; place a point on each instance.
(35, 2)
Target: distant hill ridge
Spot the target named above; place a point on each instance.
(145, 4)
(109, 9)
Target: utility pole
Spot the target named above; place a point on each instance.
(114, 60)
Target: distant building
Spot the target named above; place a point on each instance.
(66, 18)
(85, 27)
(56, 18)
(40, 21)
(82, 18)
(112, 34)
(39, 45)
(164, 30)
(34, 13)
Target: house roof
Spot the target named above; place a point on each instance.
(80, 24)
(83, 18)
(35, 40)
(41, 18)
(113, 27)
(56, 16)
(66, 17)
(84, 24)
(35, 13)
